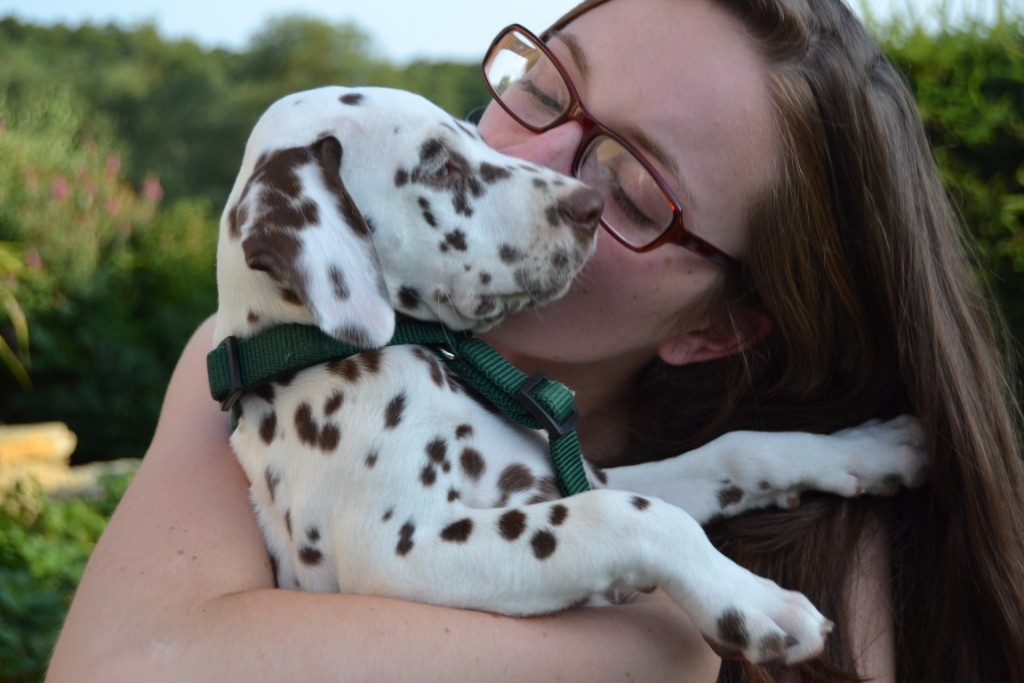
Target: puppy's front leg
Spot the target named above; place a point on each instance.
(743, 471)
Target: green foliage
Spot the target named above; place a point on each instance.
(44, 545)
(184, 113)
(159, 99)
(458, 88)
(13, 345)
(110, 282)
(295, 52)
(969, 84)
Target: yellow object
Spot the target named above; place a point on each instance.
(36, 454)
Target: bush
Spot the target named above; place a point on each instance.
(14, 344)
(969, 85)
(44, 545)
(111, 282)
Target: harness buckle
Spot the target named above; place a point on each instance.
(234, 362)
(541, 411)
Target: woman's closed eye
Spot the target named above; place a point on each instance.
(541, 98)
(630, 210)
(632, 198)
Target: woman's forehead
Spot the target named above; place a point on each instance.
(576, 11)
(684, 79)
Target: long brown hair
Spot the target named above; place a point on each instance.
(858, 258)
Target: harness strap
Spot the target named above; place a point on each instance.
(536, 402)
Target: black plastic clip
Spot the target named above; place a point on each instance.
(539, 411)
(234, 360)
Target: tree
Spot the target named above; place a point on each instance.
(969, 85)
(296, 52)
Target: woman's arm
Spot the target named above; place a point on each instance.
(180, 588)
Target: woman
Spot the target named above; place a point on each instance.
(792, 147)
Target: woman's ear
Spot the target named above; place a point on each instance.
(727, 334)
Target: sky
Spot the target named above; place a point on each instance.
(402, 29)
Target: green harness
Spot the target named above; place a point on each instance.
(537, 401)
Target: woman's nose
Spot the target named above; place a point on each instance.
(555, 148)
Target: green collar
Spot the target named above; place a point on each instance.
(537, 402)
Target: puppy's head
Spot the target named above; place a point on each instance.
(352, 204)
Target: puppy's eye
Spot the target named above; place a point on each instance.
(434, 156)
(444, 170)
(439, 164)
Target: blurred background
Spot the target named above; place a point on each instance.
(119, 141)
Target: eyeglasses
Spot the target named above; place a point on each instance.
(529, 83)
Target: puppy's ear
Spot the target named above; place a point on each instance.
(299, 224)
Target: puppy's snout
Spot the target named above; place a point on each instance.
(582, 210)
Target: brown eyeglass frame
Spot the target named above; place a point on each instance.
(676, 232)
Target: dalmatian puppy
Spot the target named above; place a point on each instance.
(380, 474)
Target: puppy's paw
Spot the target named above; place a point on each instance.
(884, 456)
(763, 623)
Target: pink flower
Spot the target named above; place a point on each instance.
(152, 189)
(112, 166)
(60, 189)
(33, 259)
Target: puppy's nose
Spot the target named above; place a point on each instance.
(582, 210)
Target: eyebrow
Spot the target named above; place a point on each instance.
(642, 140)
(576, 51)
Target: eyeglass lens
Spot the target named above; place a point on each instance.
(531, 88)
